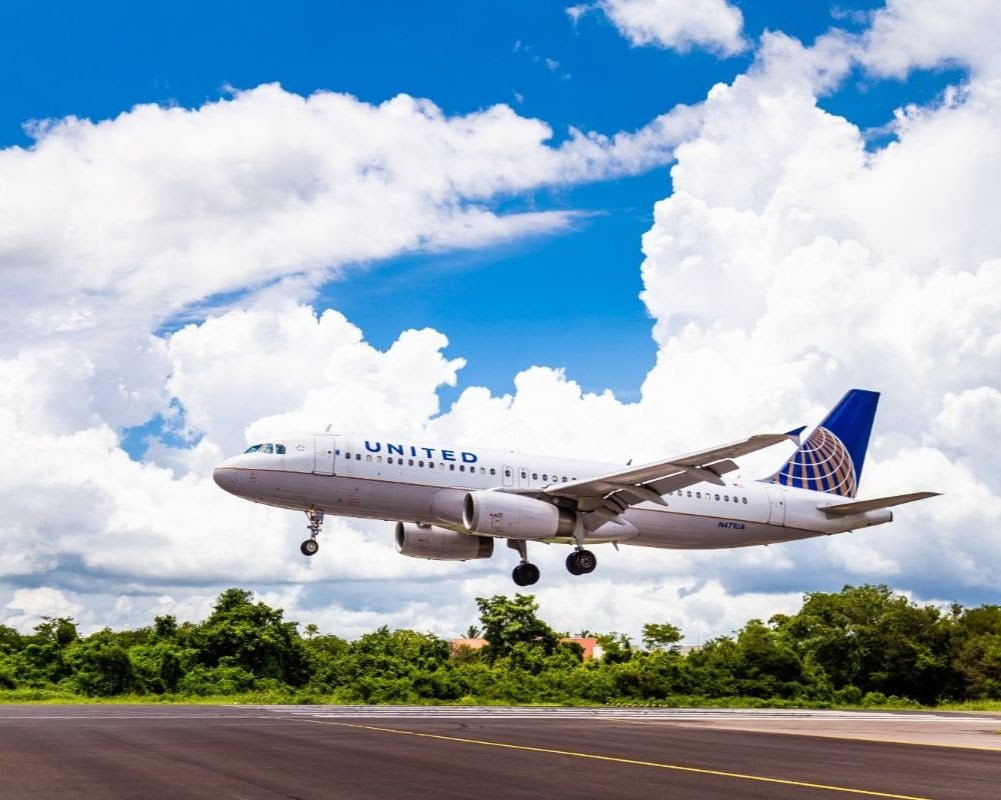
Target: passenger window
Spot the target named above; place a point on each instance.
(357, 456)
(545, 477)
(410, 462)
(493, 471)
(744, 500)
(483, 470)
(268, 448)
(430, 465)
(507, 473)
(698, 495)
(378, 459)
(368, 458)
(535, 476)
(462, 467)
(452, 467)
(717, 498)
(726, 498)
(564, 479)
(420, 463)
(524, 475)
(689, 494)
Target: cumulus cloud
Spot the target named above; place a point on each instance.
(925, 34)
(788, 264)
(674, 24)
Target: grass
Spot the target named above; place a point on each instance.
(278, 697)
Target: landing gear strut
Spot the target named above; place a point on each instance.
(310, 546)
(526, 573)
(580, 561)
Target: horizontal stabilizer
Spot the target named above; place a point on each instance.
(860, 507)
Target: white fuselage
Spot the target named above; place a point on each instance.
(384, 479)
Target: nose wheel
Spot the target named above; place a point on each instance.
(310, 546)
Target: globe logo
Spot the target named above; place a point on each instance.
(821, 464)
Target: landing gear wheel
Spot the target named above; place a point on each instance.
(525, 574)
(581, 562)
(309, 547)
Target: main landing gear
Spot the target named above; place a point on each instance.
(581, 562)
(310, 546)
(526, 573)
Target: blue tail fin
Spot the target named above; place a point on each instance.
(831, 459)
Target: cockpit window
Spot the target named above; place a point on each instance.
(270, 447)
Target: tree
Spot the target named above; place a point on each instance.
(507, 621)
(660, 635)
(874, 639)
(252, 637)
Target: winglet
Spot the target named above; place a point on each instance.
(794, 435)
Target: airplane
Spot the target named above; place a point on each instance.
(451, 504)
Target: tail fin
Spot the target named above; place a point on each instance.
(831, 459)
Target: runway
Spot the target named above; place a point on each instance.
(150, 751)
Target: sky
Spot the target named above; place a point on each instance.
(614, 229)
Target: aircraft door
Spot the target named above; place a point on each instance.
(523, 481)
(508, 476)
(776, 507)
(323, 448)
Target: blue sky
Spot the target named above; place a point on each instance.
(796, 254)
(567, 300)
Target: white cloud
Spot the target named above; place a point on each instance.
(675, 24)
(788, 264)
(926, 34)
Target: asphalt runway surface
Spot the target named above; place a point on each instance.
(304, 752)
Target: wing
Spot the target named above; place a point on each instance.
(606, 496)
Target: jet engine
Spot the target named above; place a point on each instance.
(440, 544)
(515, 516)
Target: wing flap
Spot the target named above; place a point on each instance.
(861, 506)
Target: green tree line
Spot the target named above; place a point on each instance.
(864, 645)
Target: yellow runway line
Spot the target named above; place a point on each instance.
(616, 760)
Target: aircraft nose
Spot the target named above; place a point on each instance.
(225, 477)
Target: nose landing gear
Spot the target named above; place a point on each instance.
(310, 546)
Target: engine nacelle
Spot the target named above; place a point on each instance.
(515, 516)
(440, 544)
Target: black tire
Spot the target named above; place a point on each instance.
(572, 566)
(586, 561)
(525, 574)
(309, 547)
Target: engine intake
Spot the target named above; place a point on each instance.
(440, 544)
(514, 516)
